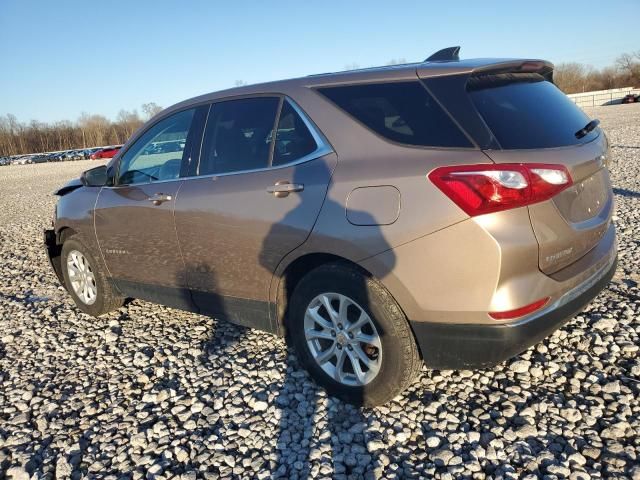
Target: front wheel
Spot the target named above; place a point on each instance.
(86, 283)
(352, 336)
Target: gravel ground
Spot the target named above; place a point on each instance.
(157, 393)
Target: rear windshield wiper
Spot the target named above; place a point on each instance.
(587, 128)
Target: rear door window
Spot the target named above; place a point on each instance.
(293, 138)
(403, 112)
(238, 135)
(524, 111)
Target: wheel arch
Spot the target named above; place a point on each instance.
(63, 234)
(291, 276)
(298, 268)
(53, 246)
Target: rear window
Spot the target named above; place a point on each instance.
(525, 111)
(402, 112)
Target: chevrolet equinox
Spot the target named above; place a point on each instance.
(452, 212)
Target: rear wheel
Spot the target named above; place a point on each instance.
(352, 336)
(85, 281)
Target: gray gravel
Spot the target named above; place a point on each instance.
(152, 392)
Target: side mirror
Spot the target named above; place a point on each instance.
(95, 177)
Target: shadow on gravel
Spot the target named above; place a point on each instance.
(312, 441)
(315, 435)
(625, 192)
(309, 440)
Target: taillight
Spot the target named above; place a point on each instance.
(480, 189)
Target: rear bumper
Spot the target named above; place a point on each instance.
(470, 346)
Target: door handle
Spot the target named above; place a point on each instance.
(283, 188)
(159, 198)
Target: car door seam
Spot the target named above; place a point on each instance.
(95, 232)
(274, 281)
(186, 285)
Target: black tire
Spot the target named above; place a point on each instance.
(400, 362)
(107, 298)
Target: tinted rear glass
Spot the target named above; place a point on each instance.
(293, 138)
(525, 111)
(402, 112)
(238, 135)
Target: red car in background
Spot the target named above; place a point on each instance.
(107, 152)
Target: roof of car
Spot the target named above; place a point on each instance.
(402, 72)
(390, 72)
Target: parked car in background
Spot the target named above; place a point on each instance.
(67, 155)
(631, 98)
(372, 217)
(89, 151)
(107, 152)
(77, 155)
(23, 160)
(39, 159)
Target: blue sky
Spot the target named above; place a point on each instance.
(60, 58)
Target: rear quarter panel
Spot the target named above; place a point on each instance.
(367, 160)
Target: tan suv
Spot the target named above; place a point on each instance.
(451, 211)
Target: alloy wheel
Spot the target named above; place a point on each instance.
(81, 277)
(343, 339)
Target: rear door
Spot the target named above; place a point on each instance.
(253, 198)
(134, 217)
(534, 122)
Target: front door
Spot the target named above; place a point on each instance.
(134, 218)
(255, 198)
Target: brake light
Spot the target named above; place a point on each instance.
(532, 66)
(519, 312)
(481, 189)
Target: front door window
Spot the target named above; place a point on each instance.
(157, 154)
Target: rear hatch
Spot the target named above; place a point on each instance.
(532, 121)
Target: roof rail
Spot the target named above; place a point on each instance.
(445, 55)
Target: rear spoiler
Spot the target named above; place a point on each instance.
(541, 67)
(447, 61)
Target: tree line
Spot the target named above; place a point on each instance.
(576, 77)
(88, 131)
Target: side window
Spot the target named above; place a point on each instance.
(238, 135)
(157, 154)
(293, 138)
(402, 112)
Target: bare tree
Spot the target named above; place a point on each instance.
(626, 61)
(607, 78)
(629, 66)
(150, 109)
(127, 123)
(569, 77)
